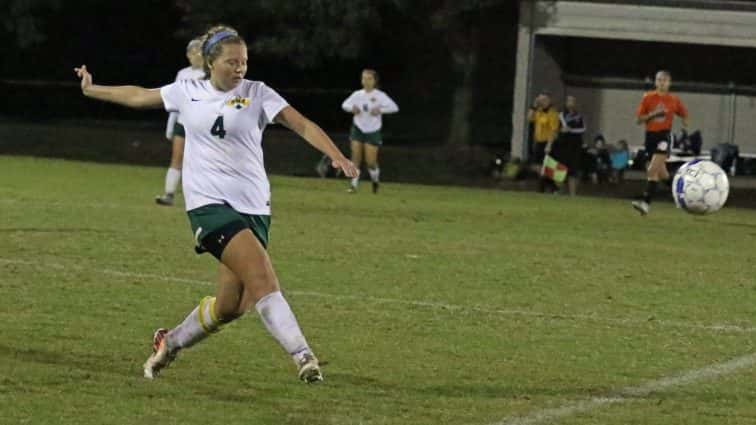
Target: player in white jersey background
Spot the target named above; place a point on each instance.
(367, 106)
(227, 192)
(174, 130)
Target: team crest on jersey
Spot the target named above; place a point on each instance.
(238, 102)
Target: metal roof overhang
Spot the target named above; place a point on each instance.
(639, 22)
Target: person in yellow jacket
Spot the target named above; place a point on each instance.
(545, 119)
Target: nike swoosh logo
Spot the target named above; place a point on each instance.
(195, 100)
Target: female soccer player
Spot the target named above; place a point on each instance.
(227, 192)
(367, 106)
(656, 111)
(174, 131)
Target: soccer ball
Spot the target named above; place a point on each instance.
(700, 187)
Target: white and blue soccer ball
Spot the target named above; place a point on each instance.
(700, 187)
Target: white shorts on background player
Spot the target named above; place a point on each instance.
(228, 169)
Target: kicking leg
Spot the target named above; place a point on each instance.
(206, 318)
(247, 258)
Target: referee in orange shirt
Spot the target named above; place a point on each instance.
(657, 110)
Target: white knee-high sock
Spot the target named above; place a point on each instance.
(355, 181)
(200, 323)
(172, 178)
(281, 323)
(375, 174)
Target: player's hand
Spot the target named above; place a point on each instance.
(375, 111)
(86, 77)
(356, 110)
(349, 169)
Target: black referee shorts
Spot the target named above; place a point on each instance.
(658, 142)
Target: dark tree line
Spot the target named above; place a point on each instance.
(439, 40)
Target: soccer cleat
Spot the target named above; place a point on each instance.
(309, 369)
(161, 356)
(642, 207)
(375, 187)
(352, 189)
(166, 200)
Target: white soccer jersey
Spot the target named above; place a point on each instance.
(366, 101)
(187, 73)
(223, 157)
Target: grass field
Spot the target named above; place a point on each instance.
(430, 305)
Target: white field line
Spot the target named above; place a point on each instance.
(417, 303)
(689, 377)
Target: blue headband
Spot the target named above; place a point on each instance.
(215, 39)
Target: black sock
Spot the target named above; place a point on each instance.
(650, 191)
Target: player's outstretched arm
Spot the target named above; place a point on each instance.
(131, 96)
(308, 130)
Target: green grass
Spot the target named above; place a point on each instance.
(430, 305)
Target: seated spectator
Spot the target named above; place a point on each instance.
(596, 161)
(620, 159)
(604, 161)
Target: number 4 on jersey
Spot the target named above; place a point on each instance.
(217, 129)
